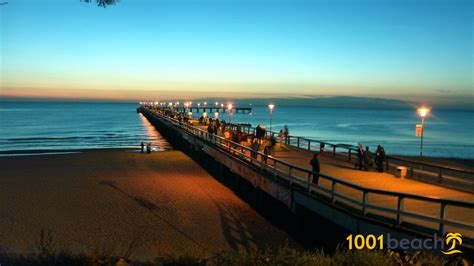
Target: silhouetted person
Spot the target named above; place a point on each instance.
(143, 147)
(260, 131)
(266, 151)
(255, 147)
(367, 158)
(380, 158)
(315, 168)
(210, 129)
(148, 147)
(280, 136)
(272, 141)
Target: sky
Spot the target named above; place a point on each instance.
(141, 49)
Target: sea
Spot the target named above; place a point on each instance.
(50, 127)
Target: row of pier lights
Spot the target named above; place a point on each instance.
(423, 112)
(189, 104)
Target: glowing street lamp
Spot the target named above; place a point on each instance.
(229, 108)
(423, 112)
(186, 105)
(270, 108)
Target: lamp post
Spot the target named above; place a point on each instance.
(229, 107)
(423, 112)
(270, 108)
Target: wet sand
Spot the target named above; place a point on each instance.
(117, 202)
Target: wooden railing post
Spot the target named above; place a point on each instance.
(290, 175)
(440, 175)
(334, 151)
(350, 154)
(274, 168)
(442, 215)
(365, 199)
(400, 203)
(298, 142)
(309, 182)
(333, 191)
(309, 145)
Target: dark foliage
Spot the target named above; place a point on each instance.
(102, 3)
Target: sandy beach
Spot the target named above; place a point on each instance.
(118, 202)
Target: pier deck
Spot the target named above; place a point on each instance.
(344, 170)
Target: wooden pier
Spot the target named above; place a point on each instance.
(361, 202)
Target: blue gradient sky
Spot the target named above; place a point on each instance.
(405, 49)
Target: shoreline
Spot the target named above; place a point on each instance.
(38, 152)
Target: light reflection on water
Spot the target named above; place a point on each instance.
(158, 143)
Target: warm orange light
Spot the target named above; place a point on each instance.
(229, 106)
(423, 111)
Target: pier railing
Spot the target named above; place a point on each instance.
(358, 198)
(445, 175)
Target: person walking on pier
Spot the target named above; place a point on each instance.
(148, 147)
(210, 129)
(272, 143)
(266, 151)
(255, 147)
(143, 147)
(367, 158)
(315, 167)
(380, 158)
(280, 136)
(286, 133)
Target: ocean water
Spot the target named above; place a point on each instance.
(46, 126)
(65, 126)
